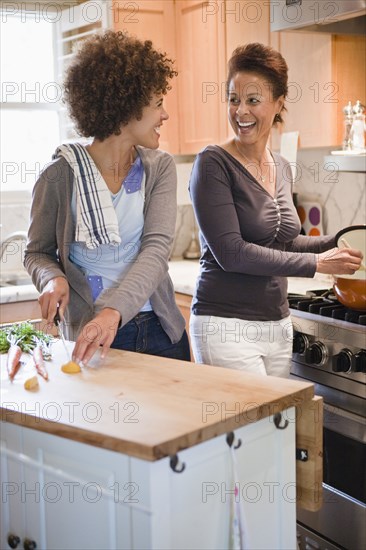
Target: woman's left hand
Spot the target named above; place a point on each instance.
(101, 331)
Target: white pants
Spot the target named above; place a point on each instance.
(259, 347)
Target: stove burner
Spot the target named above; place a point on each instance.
(325, 304)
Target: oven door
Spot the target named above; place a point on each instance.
(342, 518)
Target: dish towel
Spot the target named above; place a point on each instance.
(96, 219)
(237, 518)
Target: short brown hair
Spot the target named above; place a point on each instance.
(262, 60)
(111, 80)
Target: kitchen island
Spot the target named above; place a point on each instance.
(139, 452)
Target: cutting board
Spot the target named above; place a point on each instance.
(144, 406)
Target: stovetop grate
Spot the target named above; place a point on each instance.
(325, 304)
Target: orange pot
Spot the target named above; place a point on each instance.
(351, 289)
(351, 292)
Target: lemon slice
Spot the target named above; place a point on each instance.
(31, 383)
(71, 367)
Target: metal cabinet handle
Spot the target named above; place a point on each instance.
(13, 540)
(29, 544)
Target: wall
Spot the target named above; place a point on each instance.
(185, 226)
(342, 196)
(14, 212)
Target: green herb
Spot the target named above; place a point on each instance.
(4, 342)
(25, 335)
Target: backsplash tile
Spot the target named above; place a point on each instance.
(342, 195)
(14, 212)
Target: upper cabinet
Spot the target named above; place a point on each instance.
(201, 66)
(348, 72)
(155, 20)
(195, 39)
(200, 36)
(325, 70)
(312, 92)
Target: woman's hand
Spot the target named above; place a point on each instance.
(339, 261)
(101, 331)
(55, 293)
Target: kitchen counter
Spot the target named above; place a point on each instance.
(138, 452)
(184, 274)
(18, 293)
(344, 162)
(163, 405)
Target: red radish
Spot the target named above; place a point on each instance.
(39, 362)
(13, 362)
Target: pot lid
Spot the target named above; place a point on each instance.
(353, 236)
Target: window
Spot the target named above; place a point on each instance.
(36, 42)
(30, 98)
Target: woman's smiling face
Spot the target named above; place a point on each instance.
(251, 107)
(146, 132)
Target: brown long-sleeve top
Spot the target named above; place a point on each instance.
(250, 241)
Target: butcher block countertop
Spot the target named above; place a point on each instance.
(143, 406)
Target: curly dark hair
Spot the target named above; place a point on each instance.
(262, 60)
(111, 80)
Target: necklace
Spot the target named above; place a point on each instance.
(261, 177)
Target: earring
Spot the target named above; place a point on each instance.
(277, 118)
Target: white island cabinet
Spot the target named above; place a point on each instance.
(87, 461)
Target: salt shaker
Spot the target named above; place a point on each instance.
(348, 120)
(358, 127)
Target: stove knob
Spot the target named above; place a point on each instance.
(316, 354)
(344, 361)
(300, 343)
(360, 361)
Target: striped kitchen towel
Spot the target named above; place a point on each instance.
(96, 219)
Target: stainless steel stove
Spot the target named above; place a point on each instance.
(329, 349)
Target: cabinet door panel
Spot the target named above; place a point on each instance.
(349, 62)
(246, 22)
(77, 494)
(195, 505)
(181, 501)
(312, 99)
(267, 481)
(12, 485)
(201, 67)
(154, 20)
(20, 311)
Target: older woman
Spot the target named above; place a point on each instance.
(99, 243)
(250, 230)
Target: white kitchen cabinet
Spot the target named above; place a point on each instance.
(13, 520)
(61, 493)
(66, 494)
(195, 504)
(86, 458)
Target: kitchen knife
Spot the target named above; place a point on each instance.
(57, 321)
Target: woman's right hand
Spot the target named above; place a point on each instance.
(339, 261)
(55, 293)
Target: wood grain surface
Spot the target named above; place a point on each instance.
(144, 406)
(309, 436)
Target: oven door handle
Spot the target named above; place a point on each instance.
(345, 423)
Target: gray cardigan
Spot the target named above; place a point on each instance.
(52, 230)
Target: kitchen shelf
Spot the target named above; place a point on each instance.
(345, 163)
